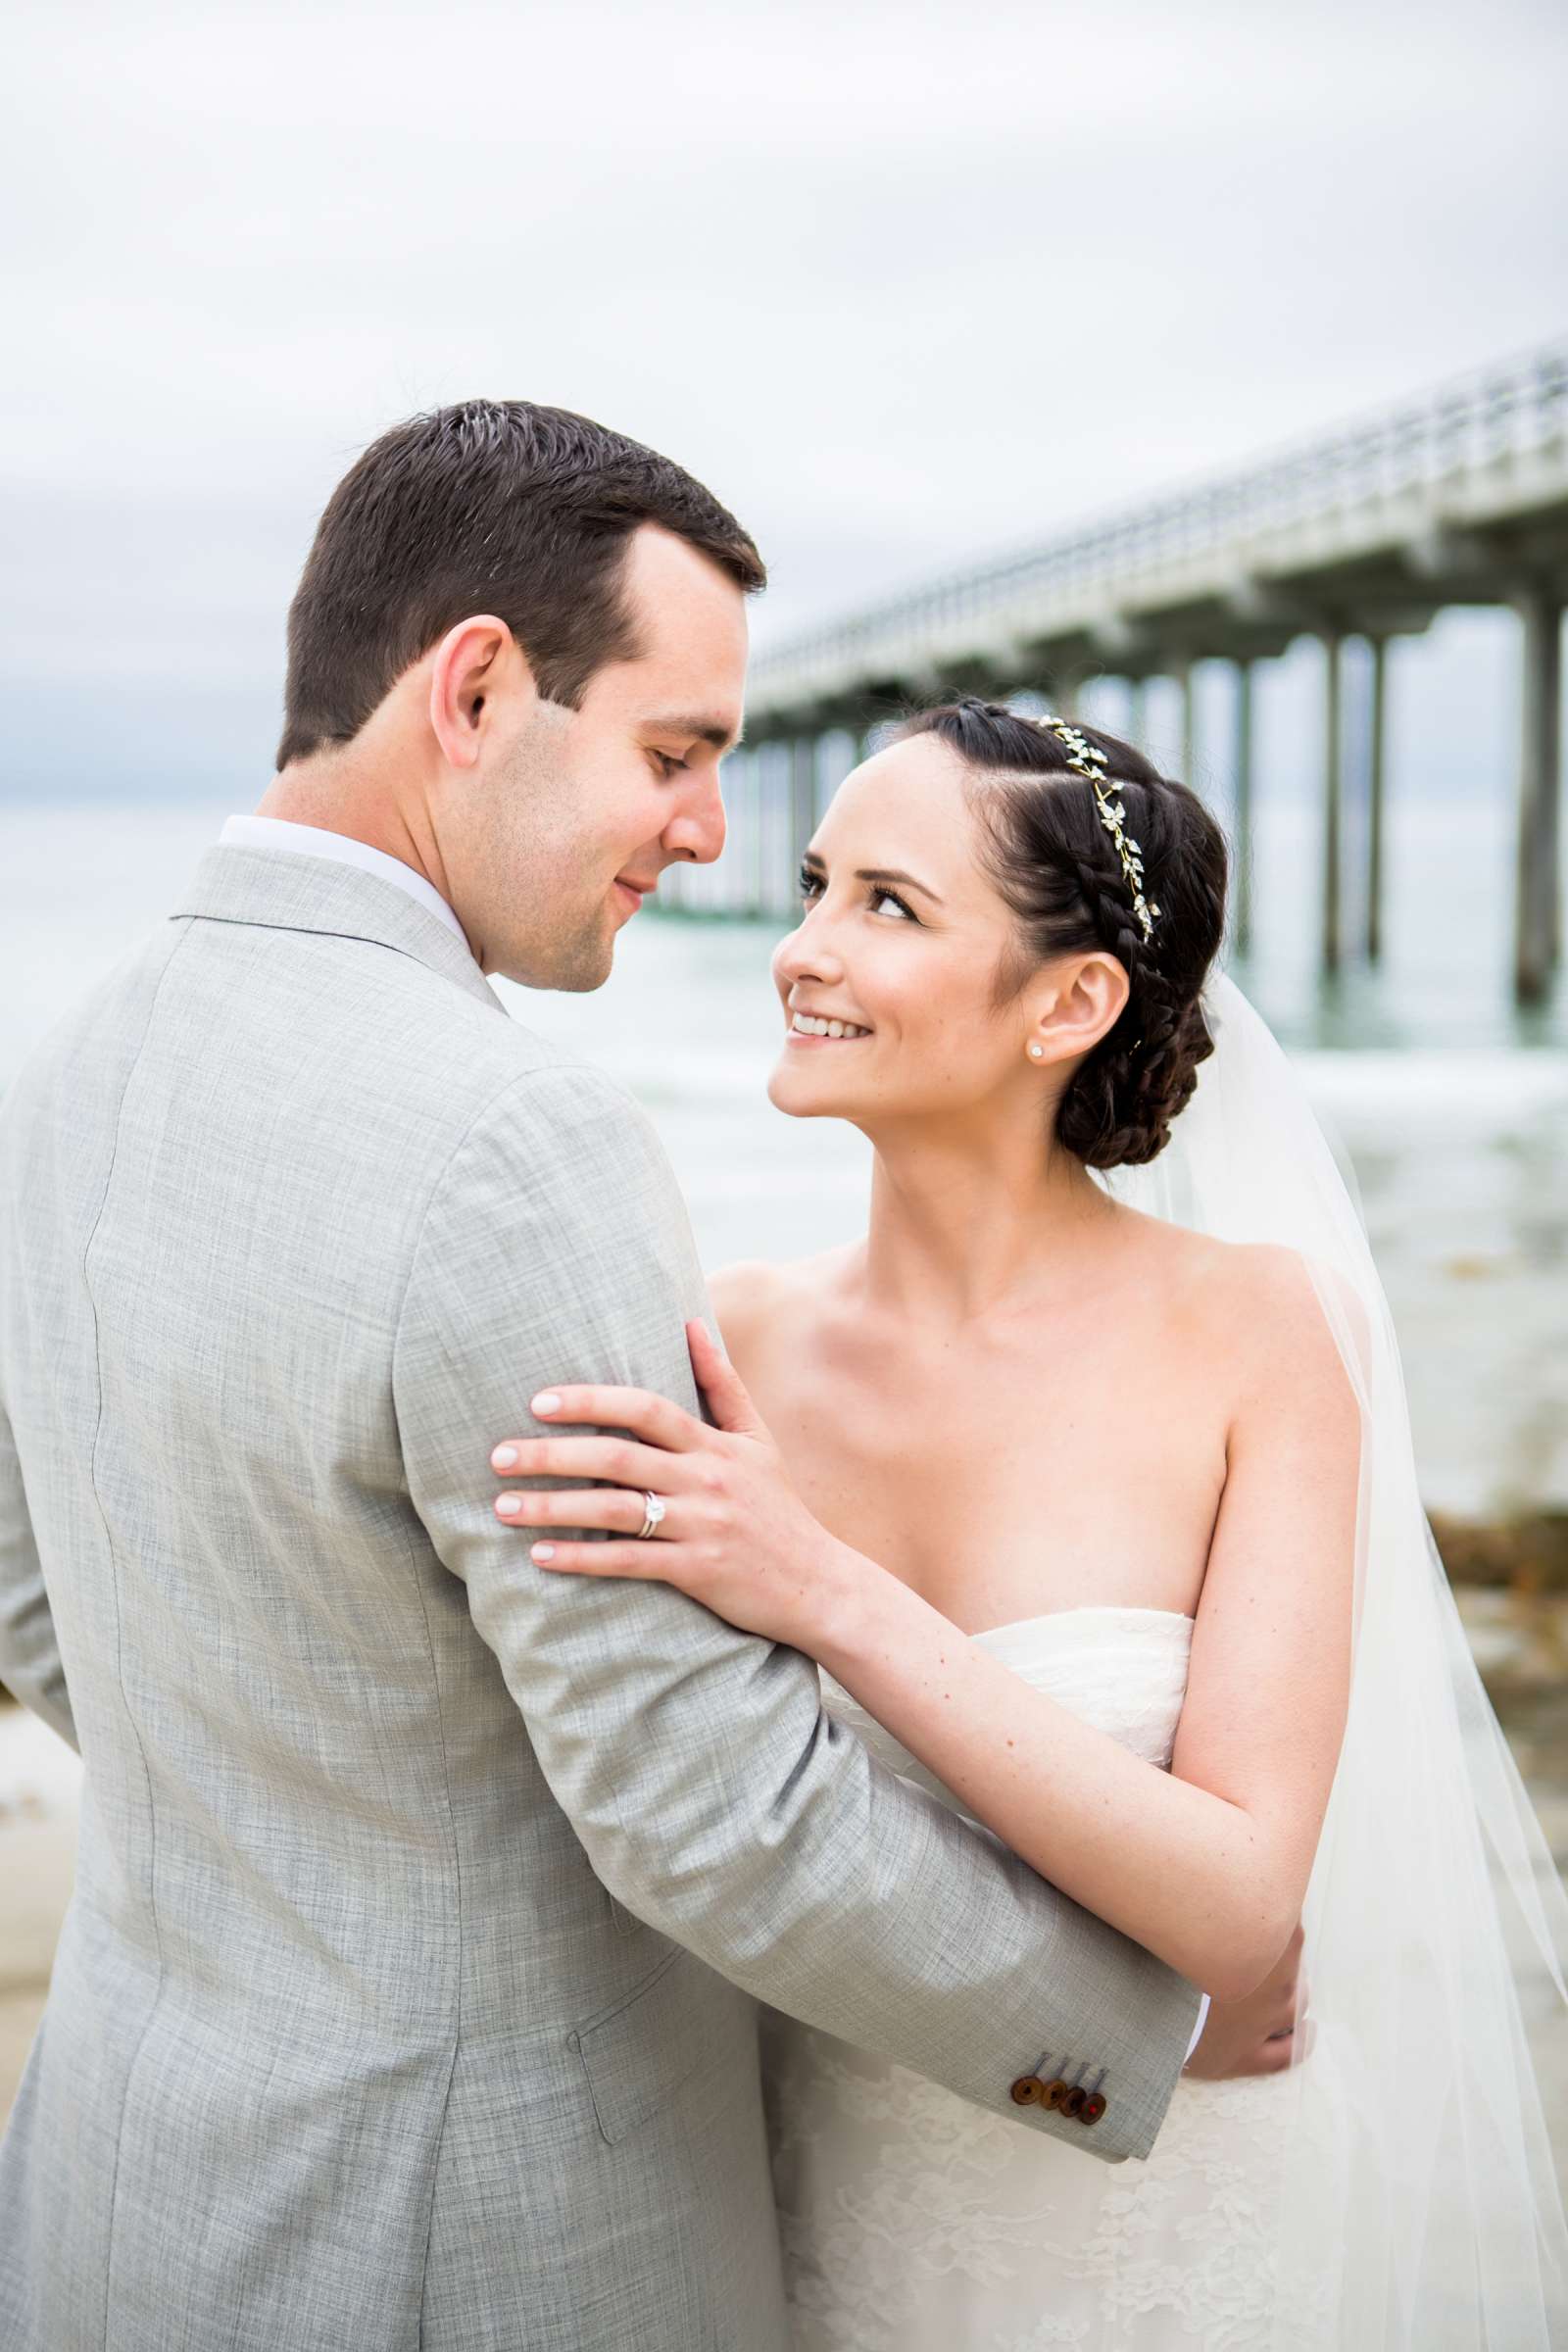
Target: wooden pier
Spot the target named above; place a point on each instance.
(1457, 498)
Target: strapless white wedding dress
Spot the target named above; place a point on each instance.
(913, 2222)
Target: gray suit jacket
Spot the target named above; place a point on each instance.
(406, 1997)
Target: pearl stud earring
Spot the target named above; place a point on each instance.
(1036, 1052)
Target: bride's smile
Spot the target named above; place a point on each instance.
(903, 953)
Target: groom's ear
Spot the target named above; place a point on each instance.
(475, 663)
(1084, 1000)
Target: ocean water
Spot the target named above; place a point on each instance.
(1452, 1108)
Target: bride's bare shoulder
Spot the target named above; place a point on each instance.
(1230, 1273)
(1253, 1303)
(756, 1298)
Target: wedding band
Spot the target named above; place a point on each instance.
(655, 1513)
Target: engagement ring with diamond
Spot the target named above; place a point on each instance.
(656, 1512)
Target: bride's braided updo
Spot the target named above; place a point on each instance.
(1061, 873)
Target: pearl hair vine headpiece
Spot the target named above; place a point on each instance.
(1086, 758)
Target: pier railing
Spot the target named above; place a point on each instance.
(1479, 424)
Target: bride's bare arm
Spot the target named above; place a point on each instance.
(1205, 1864)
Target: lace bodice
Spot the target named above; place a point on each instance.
(913, 2222)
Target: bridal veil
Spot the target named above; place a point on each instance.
(1420, 2203)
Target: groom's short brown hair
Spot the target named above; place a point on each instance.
(491, 506)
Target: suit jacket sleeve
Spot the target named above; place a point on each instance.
(712, 1795)
(29, 1653)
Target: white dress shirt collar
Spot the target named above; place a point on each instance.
(314, 840)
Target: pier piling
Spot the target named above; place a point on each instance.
(1538, 918)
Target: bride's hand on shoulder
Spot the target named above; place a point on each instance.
(734, 1534)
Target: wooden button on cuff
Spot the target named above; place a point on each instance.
(1056, 2094)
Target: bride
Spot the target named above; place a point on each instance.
(1086, 1480)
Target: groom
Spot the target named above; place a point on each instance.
(405, 1998)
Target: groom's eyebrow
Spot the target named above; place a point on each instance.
(701, 729)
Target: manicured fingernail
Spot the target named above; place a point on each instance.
(510, 1505)
(549, 1403)
(544, 1552)
(503, 1457)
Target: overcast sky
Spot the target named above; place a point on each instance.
(902, 284)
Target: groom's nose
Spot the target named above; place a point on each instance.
(695, 832)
